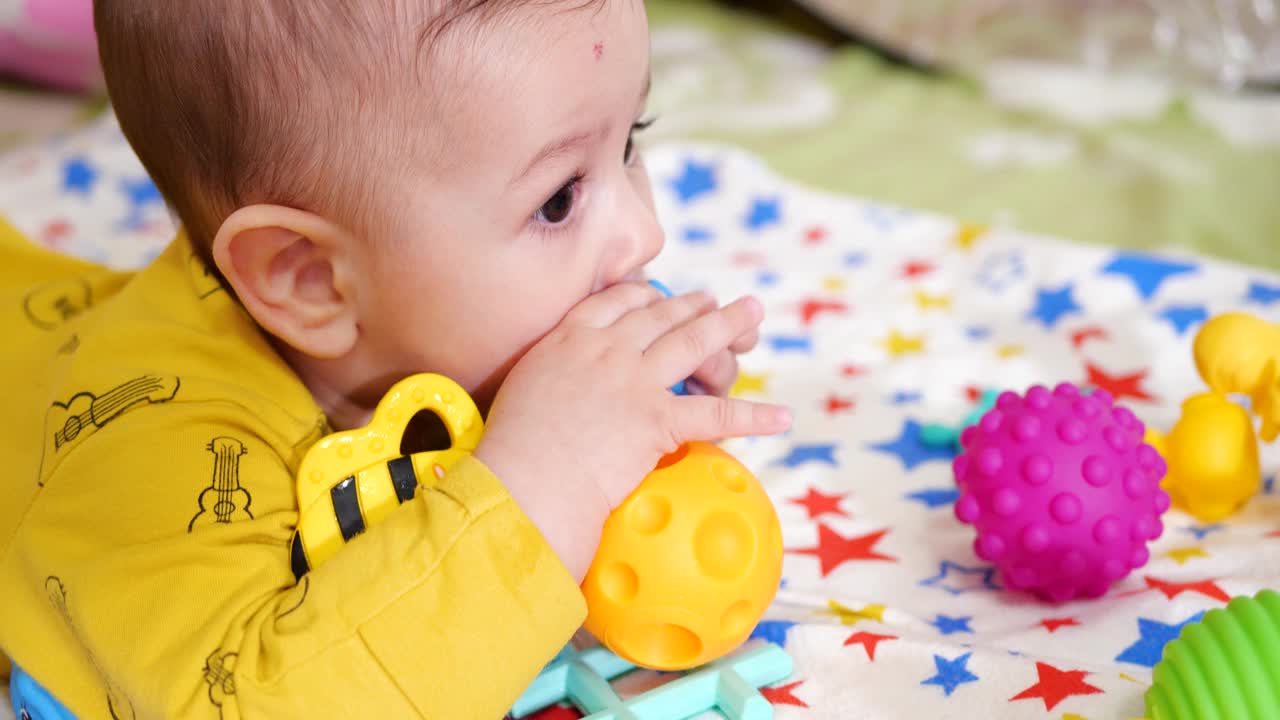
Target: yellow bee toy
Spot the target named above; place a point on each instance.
(686, 567)
(352, 480)
(1212, 450)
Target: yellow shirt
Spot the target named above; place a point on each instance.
(126, 397)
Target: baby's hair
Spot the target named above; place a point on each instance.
(304, 104)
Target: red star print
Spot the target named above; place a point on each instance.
(748, 259)
(917, 268)
(1084, 335)
(1171, 590)
(974, 393)
(56, 231)
(852, 371)
(784, 695)
(1120, 386)
(816, 235)
(819, 504)
(868, 641)
(811, 309)
(556, 712)
(834, 549)
(1052, 624)
(837, 404)
(1273, 533)
(1056, 685)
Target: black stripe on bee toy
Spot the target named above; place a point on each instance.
(403, 478)
(346, 508)
(298, 557)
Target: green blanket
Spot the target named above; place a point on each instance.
(938, 143)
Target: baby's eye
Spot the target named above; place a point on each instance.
(560, 206)
(629, 155)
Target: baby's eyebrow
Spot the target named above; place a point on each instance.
(567, 144)
(556, 149)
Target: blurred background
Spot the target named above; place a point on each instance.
(1137, 123)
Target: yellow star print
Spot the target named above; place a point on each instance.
(749, 383)
(900, 345)
(852, 617)
(1073, 716)
(925, 301)
(968, 235)
(1006, 352)
(834, 283)
(1182, 555)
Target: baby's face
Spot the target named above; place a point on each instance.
(535, 200)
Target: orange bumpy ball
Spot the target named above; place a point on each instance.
(687, 565)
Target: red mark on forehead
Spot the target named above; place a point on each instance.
(598, 50)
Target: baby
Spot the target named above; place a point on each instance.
(368, 189)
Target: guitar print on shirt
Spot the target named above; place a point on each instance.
(68, 424)
(225, 500)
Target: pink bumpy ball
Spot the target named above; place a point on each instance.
(1062, 490)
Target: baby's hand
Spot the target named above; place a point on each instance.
(587, 413)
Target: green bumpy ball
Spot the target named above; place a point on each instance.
(1225, 667)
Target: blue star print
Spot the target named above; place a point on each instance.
(855, 259)
(905, 397)
(140, 193)
(910, 449)
(774, 631)
(804, 454)
(1146, 272)
(764, 212)
(697, 180)
(1201, 530)
(1001, 272)
(931, 499)
(782, 343)
(1152, 637)
(1263, 294)
(951, 673)
(767, 278)
(978, 333)
(949, 625)
(970, 578)
(1185, 317)
(78, 176)
(1053, 305)
(698, 235)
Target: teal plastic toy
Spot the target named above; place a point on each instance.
(1225, 667)
(31, 701)
(948, 436)
(730, 685)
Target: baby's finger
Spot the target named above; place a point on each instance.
(644, 326)
(680, 352)
(746, 343)
(719, 373)
(605, 307)
(708, 418)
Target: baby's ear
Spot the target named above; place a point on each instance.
(287, 267)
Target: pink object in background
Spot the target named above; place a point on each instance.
(49, 42)
(1062, 490)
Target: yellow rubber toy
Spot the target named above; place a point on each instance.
(1212, 453)
(687, 565)
(1238, 353)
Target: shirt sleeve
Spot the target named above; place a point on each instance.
(171, 535)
